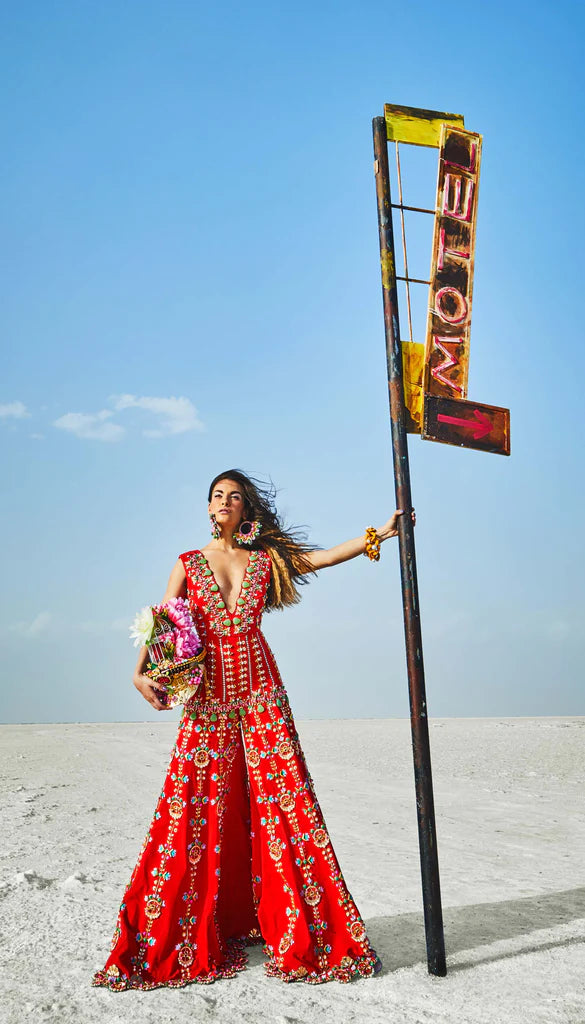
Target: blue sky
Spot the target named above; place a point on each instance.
(191, 282)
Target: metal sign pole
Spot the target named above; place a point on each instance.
(414, 658)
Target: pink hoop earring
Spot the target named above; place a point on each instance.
(247, 532)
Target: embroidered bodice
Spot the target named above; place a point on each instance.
(208, 608)
(238, 661)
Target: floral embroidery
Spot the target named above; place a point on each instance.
(320, 837)
(153, 907)
(186, 956)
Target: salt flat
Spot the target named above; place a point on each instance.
(78, 800)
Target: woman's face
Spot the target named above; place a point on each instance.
(227, 503)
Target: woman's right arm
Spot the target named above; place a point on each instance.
(176, 587)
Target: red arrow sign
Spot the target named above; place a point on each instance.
(482, 426)
(466, 424)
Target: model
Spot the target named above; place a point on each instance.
(238, 851)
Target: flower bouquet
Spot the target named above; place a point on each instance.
(175, 651)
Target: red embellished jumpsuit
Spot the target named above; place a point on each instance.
(237, 850)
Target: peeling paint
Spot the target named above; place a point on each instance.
(388, 271)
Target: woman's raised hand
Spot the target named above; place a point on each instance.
(390, 529)
(149, 691)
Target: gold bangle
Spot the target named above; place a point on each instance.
(372, 545)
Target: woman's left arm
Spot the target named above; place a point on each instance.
(351, 548)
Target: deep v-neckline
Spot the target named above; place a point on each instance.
(216, 581)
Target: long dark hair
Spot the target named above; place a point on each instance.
(287, 546)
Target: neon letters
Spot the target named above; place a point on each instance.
(451, 282)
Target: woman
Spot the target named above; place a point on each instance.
(238, 851)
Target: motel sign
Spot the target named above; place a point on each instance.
(427, 390)
(435, 373)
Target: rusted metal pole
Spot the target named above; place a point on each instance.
(414, 657)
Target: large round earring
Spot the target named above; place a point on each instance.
(247, 532)
(215, 530)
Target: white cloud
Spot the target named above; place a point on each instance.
(559, 629)
(46, 620)
(91, 426)
(119, 625)
(173, 416)
(38, 625)
(101, 628)
(176, 415)
(14, 410)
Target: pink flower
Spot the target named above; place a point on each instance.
(185, 636)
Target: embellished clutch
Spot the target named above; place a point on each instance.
(175, 652)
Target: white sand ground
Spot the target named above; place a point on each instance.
(511, 827)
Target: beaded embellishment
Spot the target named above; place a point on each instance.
(252, 592)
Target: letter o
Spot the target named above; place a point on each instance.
(461, 305)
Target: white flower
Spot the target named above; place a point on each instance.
(142, 628)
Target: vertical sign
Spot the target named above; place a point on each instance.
(435, 374)
(451, 285)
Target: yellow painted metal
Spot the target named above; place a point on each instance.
(413, 364)
(388, 271)
(417, 126)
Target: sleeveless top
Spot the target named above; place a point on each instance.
(239, 665)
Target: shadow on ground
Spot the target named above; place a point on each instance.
(400, 941)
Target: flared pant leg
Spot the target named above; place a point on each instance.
(189, 904)
(237, 847)
(309, 921)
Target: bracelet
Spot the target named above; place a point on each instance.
(372, 545)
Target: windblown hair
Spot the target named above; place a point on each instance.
(286, 546)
